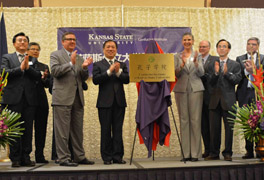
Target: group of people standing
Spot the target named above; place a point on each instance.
(206, 91)
(26, 95)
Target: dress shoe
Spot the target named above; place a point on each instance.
(248, 156)
(57, 161)
(15, 164)
(42, 161)
(86, 161)
(228, 158)
(107, 162)
(194, 159)
(186, 159)
(205, 155)
(209, 158)
(68, 163)
(121, 161)
(28, 163)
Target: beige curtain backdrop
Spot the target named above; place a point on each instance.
(40, 24)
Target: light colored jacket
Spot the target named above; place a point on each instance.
(189, 75)
(67, 78)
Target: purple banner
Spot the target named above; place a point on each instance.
(130, 40)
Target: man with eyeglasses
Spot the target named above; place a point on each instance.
(223, 79)
(245, 91)
(42, 111)
(208, 64)
(69, 70)
(20, 95)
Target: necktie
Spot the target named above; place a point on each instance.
(203, 61)
(111, 62)
(222, 65)
(21, 57)
(251, 78)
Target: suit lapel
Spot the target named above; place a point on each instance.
(15, 58)
(65, 55)
(105, 63)
(207, 61)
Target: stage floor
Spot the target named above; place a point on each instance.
(137, 164)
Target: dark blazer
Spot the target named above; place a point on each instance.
(242, 87)
(223, 86)
(19, 82)
(42, 84)
(208, 69)
(110, 87)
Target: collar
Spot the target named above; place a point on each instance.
(224, 60)
(18, 53)
(254, 56)
(110, 59)
(205, 57)
(67, 52)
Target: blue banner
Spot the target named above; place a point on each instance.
(130, 40)
(3, 41)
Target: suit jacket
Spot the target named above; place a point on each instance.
(67, 78)
(42, 84)
(208, 69)
(242, 87)
(188, 75)
(224, 86)
(19, 82)
(110, 87)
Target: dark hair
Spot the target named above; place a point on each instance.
(19, 34)
(65, 34)
(229, 45)
(188, 34)
(110, 41)
(33, 44)
(255, 39)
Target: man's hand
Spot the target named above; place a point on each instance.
(249, 67)
(87, 62)
(225, 68)
(112, 68)
(216, 67)
(73, 57)
(117, 66)
(45, 74)
(24, 64)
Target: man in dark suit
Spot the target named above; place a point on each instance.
(111, 74)
(245, 91)
(20, 95)
(208, 64)
(42, 111)
(69, 70)
(227, 73)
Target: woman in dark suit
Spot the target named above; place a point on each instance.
(189, 97)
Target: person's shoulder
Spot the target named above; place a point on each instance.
(57, 51)
(231, 61)
(211, 57)
(9, 55)
(242, 57)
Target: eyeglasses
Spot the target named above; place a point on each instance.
(33, 49)
(70, 39)
(251, 44)
(22, 40)
(203, 46)
(219, 46)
